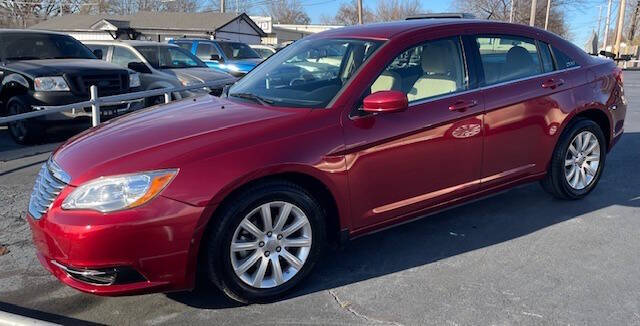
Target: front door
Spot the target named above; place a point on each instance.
(401, 163)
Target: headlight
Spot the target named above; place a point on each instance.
(232, 67)
(134, 80)
(187, 82)
(50, 84)
(108, 194)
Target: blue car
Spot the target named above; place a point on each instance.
(235, 58)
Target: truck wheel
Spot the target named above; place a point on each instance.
(27, 131)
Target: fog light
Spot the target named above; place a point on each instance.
(103, 276)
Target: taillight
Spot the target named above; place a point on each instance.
(619, 75)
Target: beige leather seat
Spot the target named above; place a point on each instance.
(439, 72)
(387, 81)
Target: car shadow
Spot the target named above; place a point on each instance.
(506, 216)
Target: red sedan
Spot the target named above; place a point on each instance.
(340, 134)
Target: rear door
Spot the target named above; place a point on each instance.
(524, 93)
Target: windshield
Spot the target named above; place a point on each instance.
(308, 73)
(34, 46)
(237, 51)
(169, 57)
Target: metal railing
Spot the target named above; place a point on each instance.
(95, 102)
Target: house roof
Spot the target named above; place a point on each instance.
(202, 21)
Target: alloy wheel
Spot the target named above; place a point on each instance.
(582, 160)
(271, 244)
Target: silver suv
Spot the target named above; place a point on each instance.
(161, 65)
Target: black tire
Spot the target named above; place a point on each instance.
(217, 242)
(28, 131)
(555, 181)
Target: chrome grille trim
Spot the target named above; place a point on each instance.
(47, 187)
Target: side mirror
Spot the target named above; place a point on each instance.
(385, 101)
(216, 57)
(97, 53)
(139, 67)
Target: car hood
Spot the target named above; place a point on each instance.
(202, 75)
(57, 67)
(169, 136)
(244, 65)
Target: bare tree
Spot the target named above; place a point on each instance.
(287, 12)
(390, 10)
(347, 14)
(500, 10)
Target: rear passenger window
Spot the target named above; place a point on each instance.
(545, 54)
(562, 60)
(431, 69)
(507, 58)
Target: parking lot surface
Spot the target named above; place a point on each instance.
(520, 257)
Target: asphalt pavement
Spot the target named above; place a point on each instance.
(520, 257)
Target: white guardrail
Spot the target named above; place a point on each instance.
(95, 102)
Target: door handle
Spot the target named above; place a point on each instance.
(552, 83)
(462, 105)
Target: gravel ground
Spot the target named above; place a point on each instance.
(520, 257)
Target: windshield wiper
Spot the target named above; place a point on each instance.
(253, 97)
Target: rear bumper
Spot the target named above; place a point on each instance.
(157, 241)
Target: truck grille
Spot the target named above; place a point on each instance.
(47, 187)
(108, 84)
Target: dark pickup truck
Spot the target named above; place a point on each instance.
(39, 69)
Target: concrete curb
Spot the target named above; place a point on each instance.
(7, 319)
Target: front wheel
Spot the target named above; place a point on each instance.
(26, 131)
(577, 162)
(267, 240)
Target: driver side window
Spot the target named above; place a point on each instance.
(123, 56)
(431, 69)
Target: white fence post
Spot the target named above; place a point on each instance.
(167, 97)
(95, 106)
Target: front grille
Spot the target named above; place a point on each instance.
(47, 187)
(108, 84)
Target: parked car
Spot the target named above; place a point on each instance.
(233, 57)
(264, 51)
(421, 116)
(162, 65)
(39, 68)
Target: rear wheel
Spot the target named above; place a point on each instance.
(26, 131)
(267, 241)
(577, 162)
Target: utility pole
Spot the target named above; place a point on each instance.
(360, 12)
(546, 19)
(634, 22)
(222, 6)
(513, 2)
(620, 26)
(532, 18)
(607, 24)
(599, 21)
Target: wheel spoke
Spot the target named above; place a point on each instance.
(571, 172)
(591, 147)
(243, 246)
(291, 259)
(265, 212)
(578, 143)
(300, 242)
(573, 150)
(276, 269)
(282, 217)
(593, 158)
(294, 227)
(575, 178)
(251, 228)
(569, 162)
(590, 170)
(248, 263)
(586, 140)
(264, 263)
(583, 178)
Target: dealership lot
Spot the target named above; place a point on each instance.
(520, 257)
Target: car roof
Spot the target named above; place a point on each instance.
(389, 29)
(204, 40)
(29, 31)
(129, 42)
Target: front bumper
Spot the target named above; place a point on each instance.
(155, 243)
(40, 100)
